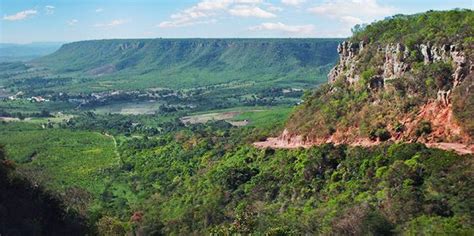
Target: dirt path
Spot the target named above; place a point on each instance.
(280, 144)
(457, 147)
(115, 146)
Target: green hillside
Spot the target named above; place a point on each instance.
(407, 62)
(146, 171)
(188, 63)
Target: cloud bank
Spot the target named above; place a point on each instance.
(20, 15)
(208, 11)
(300, 30)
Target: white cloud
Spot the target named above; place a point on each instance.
(49, 9)
(352, 12)
(292, 29)
(173, 24)
(72, 22)
(351, 20)
(209, 5)
(250, 11)
(112, 23)
(274, 8)
(98, 10)
(20, 15)
(208, 11)
(362, 9)
(197, 14)
(293, 2)
(249, 1)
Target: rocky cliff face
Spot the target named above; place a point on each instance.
(408, 78)
(346, 67)
(396, 65)
(388, 63)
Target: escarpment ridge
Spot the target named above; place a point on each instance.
(392, 90)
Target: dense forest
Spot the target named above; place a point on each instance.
(206, 178)
(443, 27)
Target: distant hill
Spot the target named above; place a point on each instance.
(24, 52)
(185, 63)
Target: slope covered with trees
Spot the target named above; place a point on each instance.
(405, 78)
(151, 174)
(208, 178)
(27, 209)
(187, 63)
(197, 185)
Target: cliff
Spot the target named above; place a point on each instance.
(388, 88)
(190, 63)
(397, 64)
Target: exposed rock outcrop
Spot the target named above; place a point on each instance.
(396, 64)
(395, 61)
(346, 68)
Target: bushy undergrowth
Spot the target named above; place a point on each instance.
(192, 183)
(443, 27)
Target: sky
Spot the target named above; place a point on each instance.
(25, 21)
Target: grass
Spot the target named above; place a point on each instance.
(239, 109)
(265, 118)
(203, 118)
(60, 158)
(58, 118)
(130, 108)
(24, 106)
(255, 116)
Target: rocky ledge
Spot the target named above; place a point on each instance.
(396, 65)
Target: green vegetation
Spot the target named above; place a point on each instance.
(374, 106)
(147, 76)
(463, 105)
(60, 159)
(86, 163)
(442, 27)
(27, 209)
(266, 118)
(182, 63)
(187, 63)
(205, 178)
(193, 181)
(23, 108)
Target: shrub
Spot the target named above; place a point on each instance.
(380, 133)
(463, 105)
(423, 128)
(436, 225)
(361, 220)
(110, 226)
(399, 127)
(366, 75)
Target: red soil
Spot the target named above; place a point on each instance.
(446, 133)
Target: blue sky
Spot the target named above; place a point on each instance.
(24, 21)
